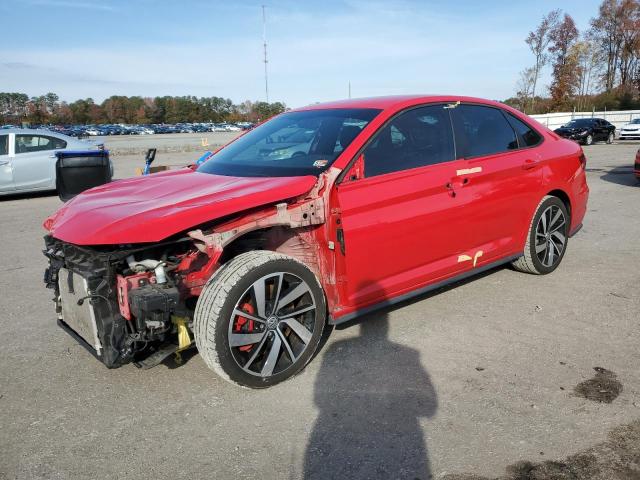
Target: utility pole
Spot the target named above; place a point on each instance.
(349, 88)
(264, 43)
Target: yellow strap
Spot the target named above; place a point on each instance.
(184, 339)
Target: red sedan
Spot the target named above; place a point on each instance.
(313, 218)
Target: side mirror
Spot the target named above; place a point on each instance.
(356, 172)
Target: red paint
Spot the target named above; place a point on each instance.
(125, 285)
(154, 207)
(403, 230)
(636, 166)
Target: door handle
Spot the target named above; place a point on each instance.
(529, 164)
(4, 162)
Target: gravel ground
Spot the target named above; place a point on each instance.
(492, 378)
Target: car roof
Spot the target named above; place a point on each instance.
(395, 101)
(35, 131)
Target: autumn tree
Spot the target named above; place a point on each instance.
(617, 32)
(629, 40)
(564, 82)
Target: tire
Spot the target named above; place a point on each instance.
(610, 138)
(269, 343)
(588, 140)
(547, 238)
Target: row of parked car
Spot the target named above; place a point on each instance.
(123, 129)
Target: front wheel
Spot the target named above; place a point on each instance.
(547, 238)
(260, 319)
(588, 139)
(610, 138)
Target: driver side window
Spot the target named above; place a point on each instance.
(4, 144)
(416, 138)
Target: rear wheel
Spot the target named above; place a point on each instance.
(260, 319)
(547, 238)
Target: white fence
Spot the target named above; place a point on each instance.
(618, 118)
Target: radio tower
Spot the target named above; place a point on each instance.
(264, 43)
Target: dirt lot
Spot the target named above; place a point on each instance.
(493, 378)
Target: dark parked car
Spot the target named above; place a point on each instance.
(587, 130)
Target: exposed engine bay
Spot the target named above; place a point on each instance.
(124, 304)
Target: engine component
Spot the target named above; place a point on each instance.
(152, 306)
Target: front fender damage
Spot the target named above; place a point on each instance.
(289, 228)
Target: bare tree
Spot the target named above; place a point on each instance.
(525, 87)
(606, 29)
(538, 41)
(586, 59)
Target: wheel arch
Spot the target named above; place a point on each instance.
(299, 243)
(562, 195)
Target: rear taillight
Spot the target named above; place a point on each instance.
(583, 161)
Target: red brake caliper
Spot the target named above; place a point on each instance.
(242, 321)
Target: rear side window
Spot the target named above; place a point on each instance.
(528, 135)
(482, 131)
(4, 144)
(416, 138)
(37, 143)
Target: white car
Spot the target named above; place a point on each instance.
(631, 129)
(28, 158)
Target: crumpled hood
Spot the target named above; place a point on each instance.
(154, 207)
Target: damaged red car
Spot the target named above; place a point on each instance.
(311, 219)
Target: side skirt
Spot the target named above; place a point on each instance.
(421, 291)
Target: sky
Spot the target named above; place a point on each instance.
(99, 48)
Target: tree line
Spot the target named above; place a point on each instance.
(16, 108)
(598, 68)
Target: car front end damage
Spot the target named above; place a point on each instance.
(121, 303)
(577, 134)
(135, 302)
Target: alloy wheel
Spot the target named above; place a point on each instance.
(551, 236)
(272, 324)
(589, 140)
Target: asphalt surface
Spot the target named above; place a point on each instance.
(463, 383)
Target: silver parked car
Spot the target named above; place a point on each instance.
(28, 160)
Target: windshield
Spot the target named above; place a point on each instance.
(635, 121)
(582, 122)
(292, 144)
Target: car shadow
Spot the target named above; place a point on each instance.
(621, 176)
(371, 394)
